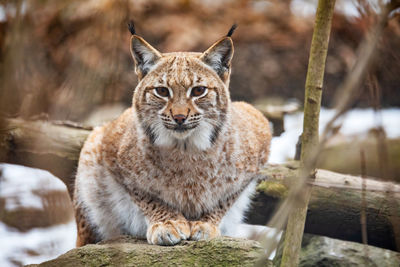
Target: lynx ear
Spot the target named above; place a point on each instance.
(219, 57)
(144, 55)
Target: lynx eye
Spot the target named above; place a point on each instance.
(161, 91)
(198, 91)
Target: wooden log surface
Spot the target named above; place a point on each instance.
(127, 251)
(334, 208)
(222, 251)
(52, 146)
(335, 205)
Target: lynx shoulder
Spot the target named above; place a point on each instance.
(180, 163)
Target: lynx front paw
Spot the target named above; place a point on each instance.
(203, 230)
(168, 233)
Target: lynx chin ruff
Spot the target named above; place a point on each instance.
(180, 163)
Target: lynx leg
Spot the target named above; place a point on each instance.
(86, 234)
(225, 219)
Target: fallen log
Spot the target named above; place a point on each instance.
(385, 166)
(334, 208)
(223, 251)
(52, 146)
(126, 251)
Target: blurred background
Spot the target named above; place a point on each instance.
(70, 61)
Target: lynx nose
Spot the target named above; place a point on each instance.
(180, 119)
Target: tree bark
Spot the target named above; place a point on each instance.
(312, 104)
(335, 204)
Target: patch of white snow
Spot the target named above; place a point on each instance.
(36, 245)
(18, 185)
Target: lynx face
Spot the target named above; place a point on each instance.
(182, 99)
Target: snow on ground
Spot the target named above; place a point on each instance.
(17, 187)
(36, 245)
(18, 184)
(355, 122)
(358, 121)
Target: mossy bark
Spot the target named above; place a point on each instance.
(312, 104)
(127, 251)
(335, 204)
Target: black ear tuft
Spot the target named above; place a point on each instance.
(131, 27)
(233, 28)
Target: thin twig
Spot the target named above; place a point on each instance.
(363, 217)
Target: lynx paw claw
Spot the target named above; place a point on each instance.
(168, 233)
(203, 230)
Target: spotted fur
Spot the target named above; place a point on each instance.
(146, 175)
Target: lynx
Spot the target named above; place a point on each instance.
(180, 163)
